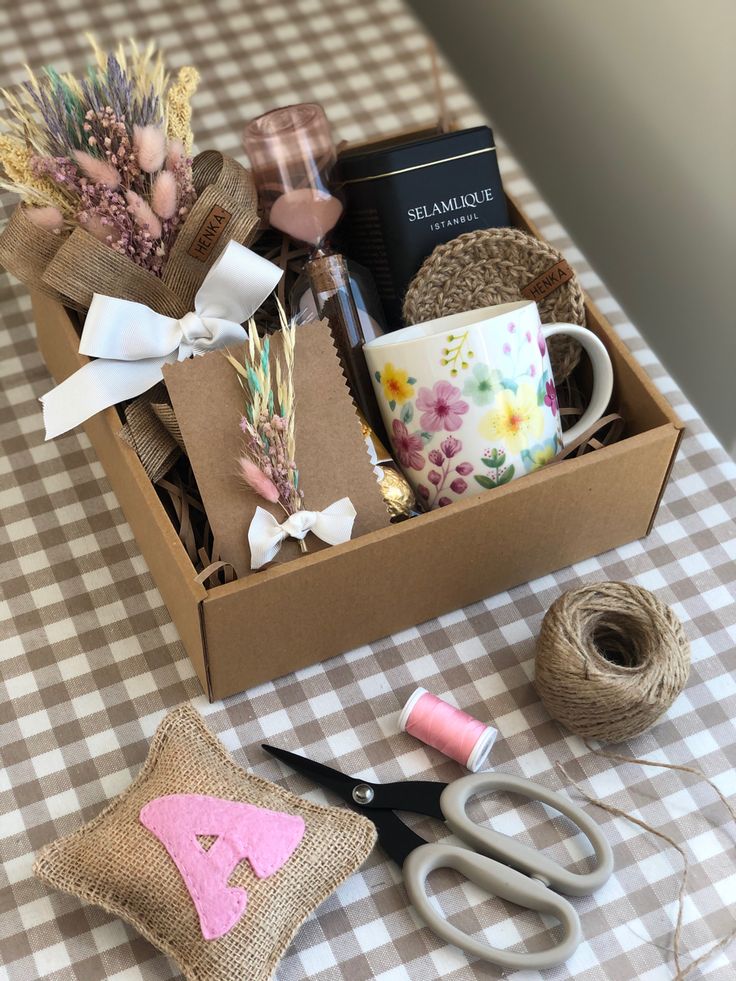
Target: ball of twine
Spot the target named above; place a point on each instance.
(611, 658)
(491, 266)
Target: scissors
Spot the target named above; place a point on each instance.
(494, 861)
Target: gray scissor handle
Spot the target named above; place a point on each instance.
(501, 881)
(489, 842)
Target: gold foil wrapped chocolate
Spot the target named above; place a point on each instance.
(397, 493)
(395, 488)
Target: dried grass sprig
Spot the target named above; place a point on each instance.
(22, 121)
(165, 194)
(143, 214)
(144, 66)
(98, 171)
(150, 147)
(269, 415)
(178, 110)
(15, 161)
(285, 377)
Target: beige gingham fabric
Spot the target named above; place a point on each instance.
(91, 661)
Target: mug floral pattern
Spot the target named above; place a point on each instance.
(508, 405)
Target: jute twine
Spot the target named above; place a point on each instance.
(492, 266)
(682, 971)
(611, 658)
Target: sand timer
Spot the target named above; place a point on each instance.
(293, 156)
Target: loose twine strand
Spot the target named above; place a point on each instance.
(680, 972)
(611, 659)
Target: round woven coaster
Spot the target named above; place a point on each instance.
(491, 266)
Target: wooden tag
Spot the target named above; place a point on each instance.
(210, 233)
(549, 281)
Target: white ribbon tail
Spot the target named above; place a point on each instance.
(333, 526)
(96, 386)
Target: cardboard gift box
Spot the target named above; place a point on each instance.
(295, 614)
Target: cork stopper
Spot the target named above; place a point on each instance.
(328, 272)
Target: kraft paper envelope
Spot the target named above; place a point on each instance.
(331, 453)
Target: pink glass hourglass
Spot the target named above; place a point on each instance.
(292, 156)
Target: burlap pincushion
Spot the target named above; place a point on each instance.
(492, 266)
(116, 863)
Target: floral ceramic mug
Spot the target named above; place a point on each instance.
(469, 401)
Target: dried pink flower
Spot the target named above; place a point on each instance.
(164, 197)
(150, 147)
(266, 443)
(175, 155)
(103, 230)
(60, 170)
(257, 480)
(97, 170)
(48, 218)
(143, 214)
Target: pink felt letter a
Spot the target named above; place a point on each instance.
(266, 838)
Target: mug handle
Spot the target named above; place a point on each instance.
(602, 375)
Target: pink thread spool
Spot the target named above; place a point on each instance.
(450, 730)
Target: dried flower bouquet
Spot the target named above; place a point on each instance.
(268, 465)
(109, 153)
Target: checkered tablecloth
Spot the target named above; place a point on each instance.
(91, 661)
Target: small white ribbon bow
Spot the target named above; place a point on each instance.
(132, 343)
(334, 525)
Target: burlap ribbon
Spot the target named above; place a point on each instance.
(153, 432)
(74, 266)
(26, 251)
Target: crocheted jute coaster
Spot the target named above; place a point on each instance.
(500, 265)
(220, 918)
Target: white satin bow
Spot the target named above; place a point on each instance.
(132, 343)
(334, 525)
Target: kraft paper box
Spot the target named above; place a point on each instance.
(393, 578)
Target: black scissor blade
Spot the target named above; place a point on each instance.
(417, 796)
(394, 837)
(325, 776)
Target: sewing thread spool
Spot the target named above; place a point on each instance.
(448, 729)
(611, 659)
